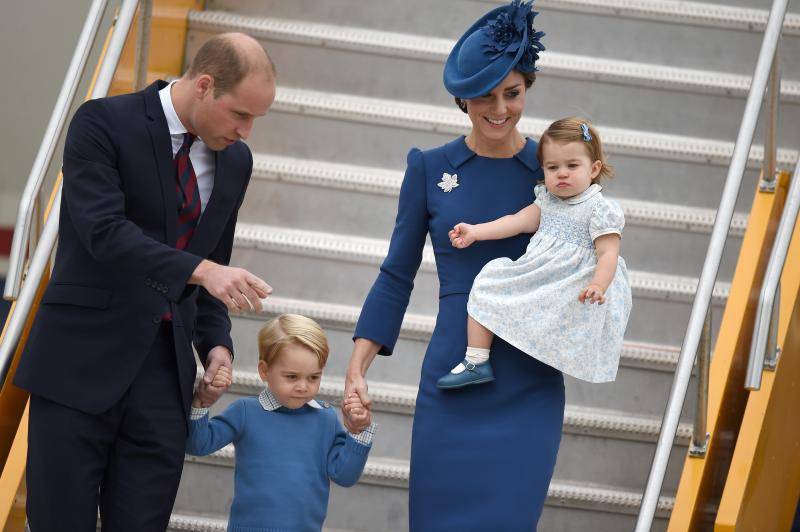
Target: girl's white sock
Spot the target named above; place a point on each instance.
(475, 355)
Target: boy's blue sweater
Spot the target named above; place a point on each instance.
(284, 461)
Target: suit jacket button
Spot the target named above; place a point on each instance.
(156, 319)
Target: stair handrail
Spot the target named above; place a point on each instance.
(669, 425)
(44, 248)
(58, 118)
(764, 342)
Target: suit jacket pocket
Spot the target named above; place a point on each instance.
(73, 294)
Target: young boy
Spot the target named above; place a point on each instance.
(288, 446)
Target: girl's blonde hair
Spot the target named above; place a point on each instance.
(571, 129)
(292, 329)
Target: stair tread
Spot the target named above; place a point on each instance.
(373, 251)
(384, 181)
(401, 398)
(436, 49)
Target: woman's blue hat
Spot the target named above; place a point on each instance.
(502, 40)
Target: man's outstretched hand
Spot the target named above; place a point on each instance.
(238, 289)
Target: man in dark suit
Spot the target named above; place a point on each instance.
(152, 185)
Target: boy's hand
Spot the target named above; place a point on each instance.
(353, 408)
(462, 235)
(592, 293)
(217, 378)
(223, 378)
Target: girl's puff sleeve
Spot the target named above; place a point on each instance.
(383, 310)
(607, 218)
(540, 192)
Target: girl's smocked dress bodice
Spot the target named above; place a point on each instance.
(532, 302)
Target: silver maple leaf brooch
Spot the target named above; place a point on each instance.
(448, 182)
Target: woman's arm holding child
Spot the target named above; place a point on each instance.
(525, 221)
(607, 250)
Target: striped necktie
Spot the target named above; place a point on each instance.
(187, 192)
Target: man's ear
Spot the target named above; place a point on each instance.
(203, 85)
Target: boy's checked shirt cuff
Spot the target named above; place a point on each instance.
(270, 403)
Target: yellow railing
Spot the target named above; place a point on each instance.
(703, 478)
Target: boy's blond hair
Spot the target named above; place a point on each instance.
(292, 329)
(570, 130)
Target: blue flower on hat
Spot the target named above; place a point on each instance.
(500, 41)
(507, 31)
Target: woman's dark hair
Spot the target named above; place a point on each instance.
(530, 77)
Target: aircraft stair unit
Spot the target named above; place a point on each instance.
(742, 469)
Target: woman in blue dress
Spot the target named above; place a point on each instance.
(482, 456)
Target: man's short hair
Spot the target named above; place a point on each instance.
(220, 58)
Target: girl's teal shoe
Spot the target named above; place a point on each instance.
(473, 374)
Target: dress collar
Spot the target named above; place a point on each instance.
(458, 153)
(270, 403)
(593, 189)
(174, 123)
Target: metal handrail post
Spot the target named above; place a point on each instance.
(19, 244)
(142, 44)
(700, 435)
(766, 318)
(41, 255)
(123, 25)
(702, 300)
(770, 132)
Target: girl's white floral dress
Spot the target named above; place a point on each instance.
(532, 302)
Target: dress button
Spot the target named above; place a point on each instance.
(156, 319)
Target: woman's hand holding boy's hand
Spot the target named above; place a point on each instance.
(462, 235)
(358, 415)
(593, 294)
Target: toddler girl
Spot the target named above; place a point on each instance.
(288, 445)
(537, 303)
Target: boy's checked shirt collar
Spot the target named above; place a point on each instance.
(270, 403)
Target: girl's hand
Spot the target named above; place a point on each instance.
(462, 235)
(593, 293)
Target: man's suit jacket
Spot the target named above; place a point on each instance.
(116, 268)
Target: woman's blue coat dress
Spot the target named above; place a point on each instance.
(482, 456)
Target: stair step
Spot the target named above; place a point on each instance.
(329, 191)
(697, 35)
(420, 327)
(386, 182)
(204, 523)
(452, 121)
(401, 399)
(395, 473)
(642, 385)
(677, 12)
(436, 49)
(372, 251)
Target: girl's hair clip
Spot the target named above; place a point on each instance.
(585, 129)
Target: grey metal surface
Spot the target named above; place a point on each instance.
(58, 118)
(711, 266)
(312, 57)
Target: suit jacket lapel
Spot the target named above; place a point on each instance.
(162, 149)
